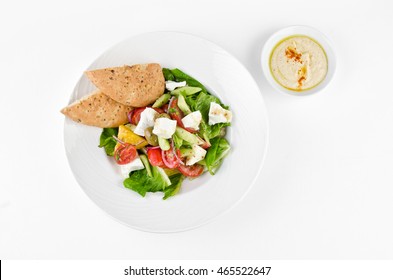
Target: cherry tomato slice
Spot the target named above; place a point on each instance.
(136, 115)
(125, 153)
(155, 157)
(176, 113)
(192, 170)
(169, 158)
(159, 110)
(179, 156)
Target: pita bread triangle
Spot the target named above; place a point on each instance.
(138, 85)
(97, 109)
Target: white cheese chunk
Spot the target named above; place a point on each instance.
(197, 154)
(192, 120)
(171, 85)
(217, 114)
(164, 127)
(136, 164)
(147, 120)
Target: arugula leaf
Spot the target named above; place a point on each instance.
(174, 188)
(216, 153)
(180, 76)
(168, 74)
(107, 141)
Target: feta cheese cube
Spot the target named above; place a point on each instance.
(192, 120)
(171, 85)
(136, 164)
(197, 154)
(164, 127)
(147, 120)
(217, 114)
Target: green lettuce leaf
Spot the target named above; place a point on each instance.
(107, 141)
(174, 188)
(216, 153)
(177, 141)
(140, 182)
(202, 102)
(212, 131)
(168, 74)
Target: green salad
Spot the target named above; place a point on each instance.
(181, 135)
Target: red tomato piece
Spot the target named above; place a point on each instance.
(159, 110)
(170, 159)
(125, 153)
(179, 156)
(136, 115)
(165, 107)
(192, 170)
(176, 113)
(155, 157)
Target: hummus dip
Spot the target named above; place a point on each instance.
(298, 63)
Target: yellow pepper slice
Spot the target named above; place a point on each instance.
(125, 134)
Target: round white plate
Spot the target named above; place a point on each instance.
(201, 199)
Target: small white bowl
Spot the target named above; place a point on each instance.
(291, 31)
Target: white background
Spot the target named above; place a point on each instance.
(326, 190)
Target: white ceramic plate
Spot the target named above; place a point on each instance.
(291, 31)
(199, 200)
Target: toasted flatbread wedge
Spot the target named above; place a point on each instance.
(97, 109)
(138, 85)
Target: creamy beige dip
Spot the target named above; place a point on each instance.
(298, 63)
